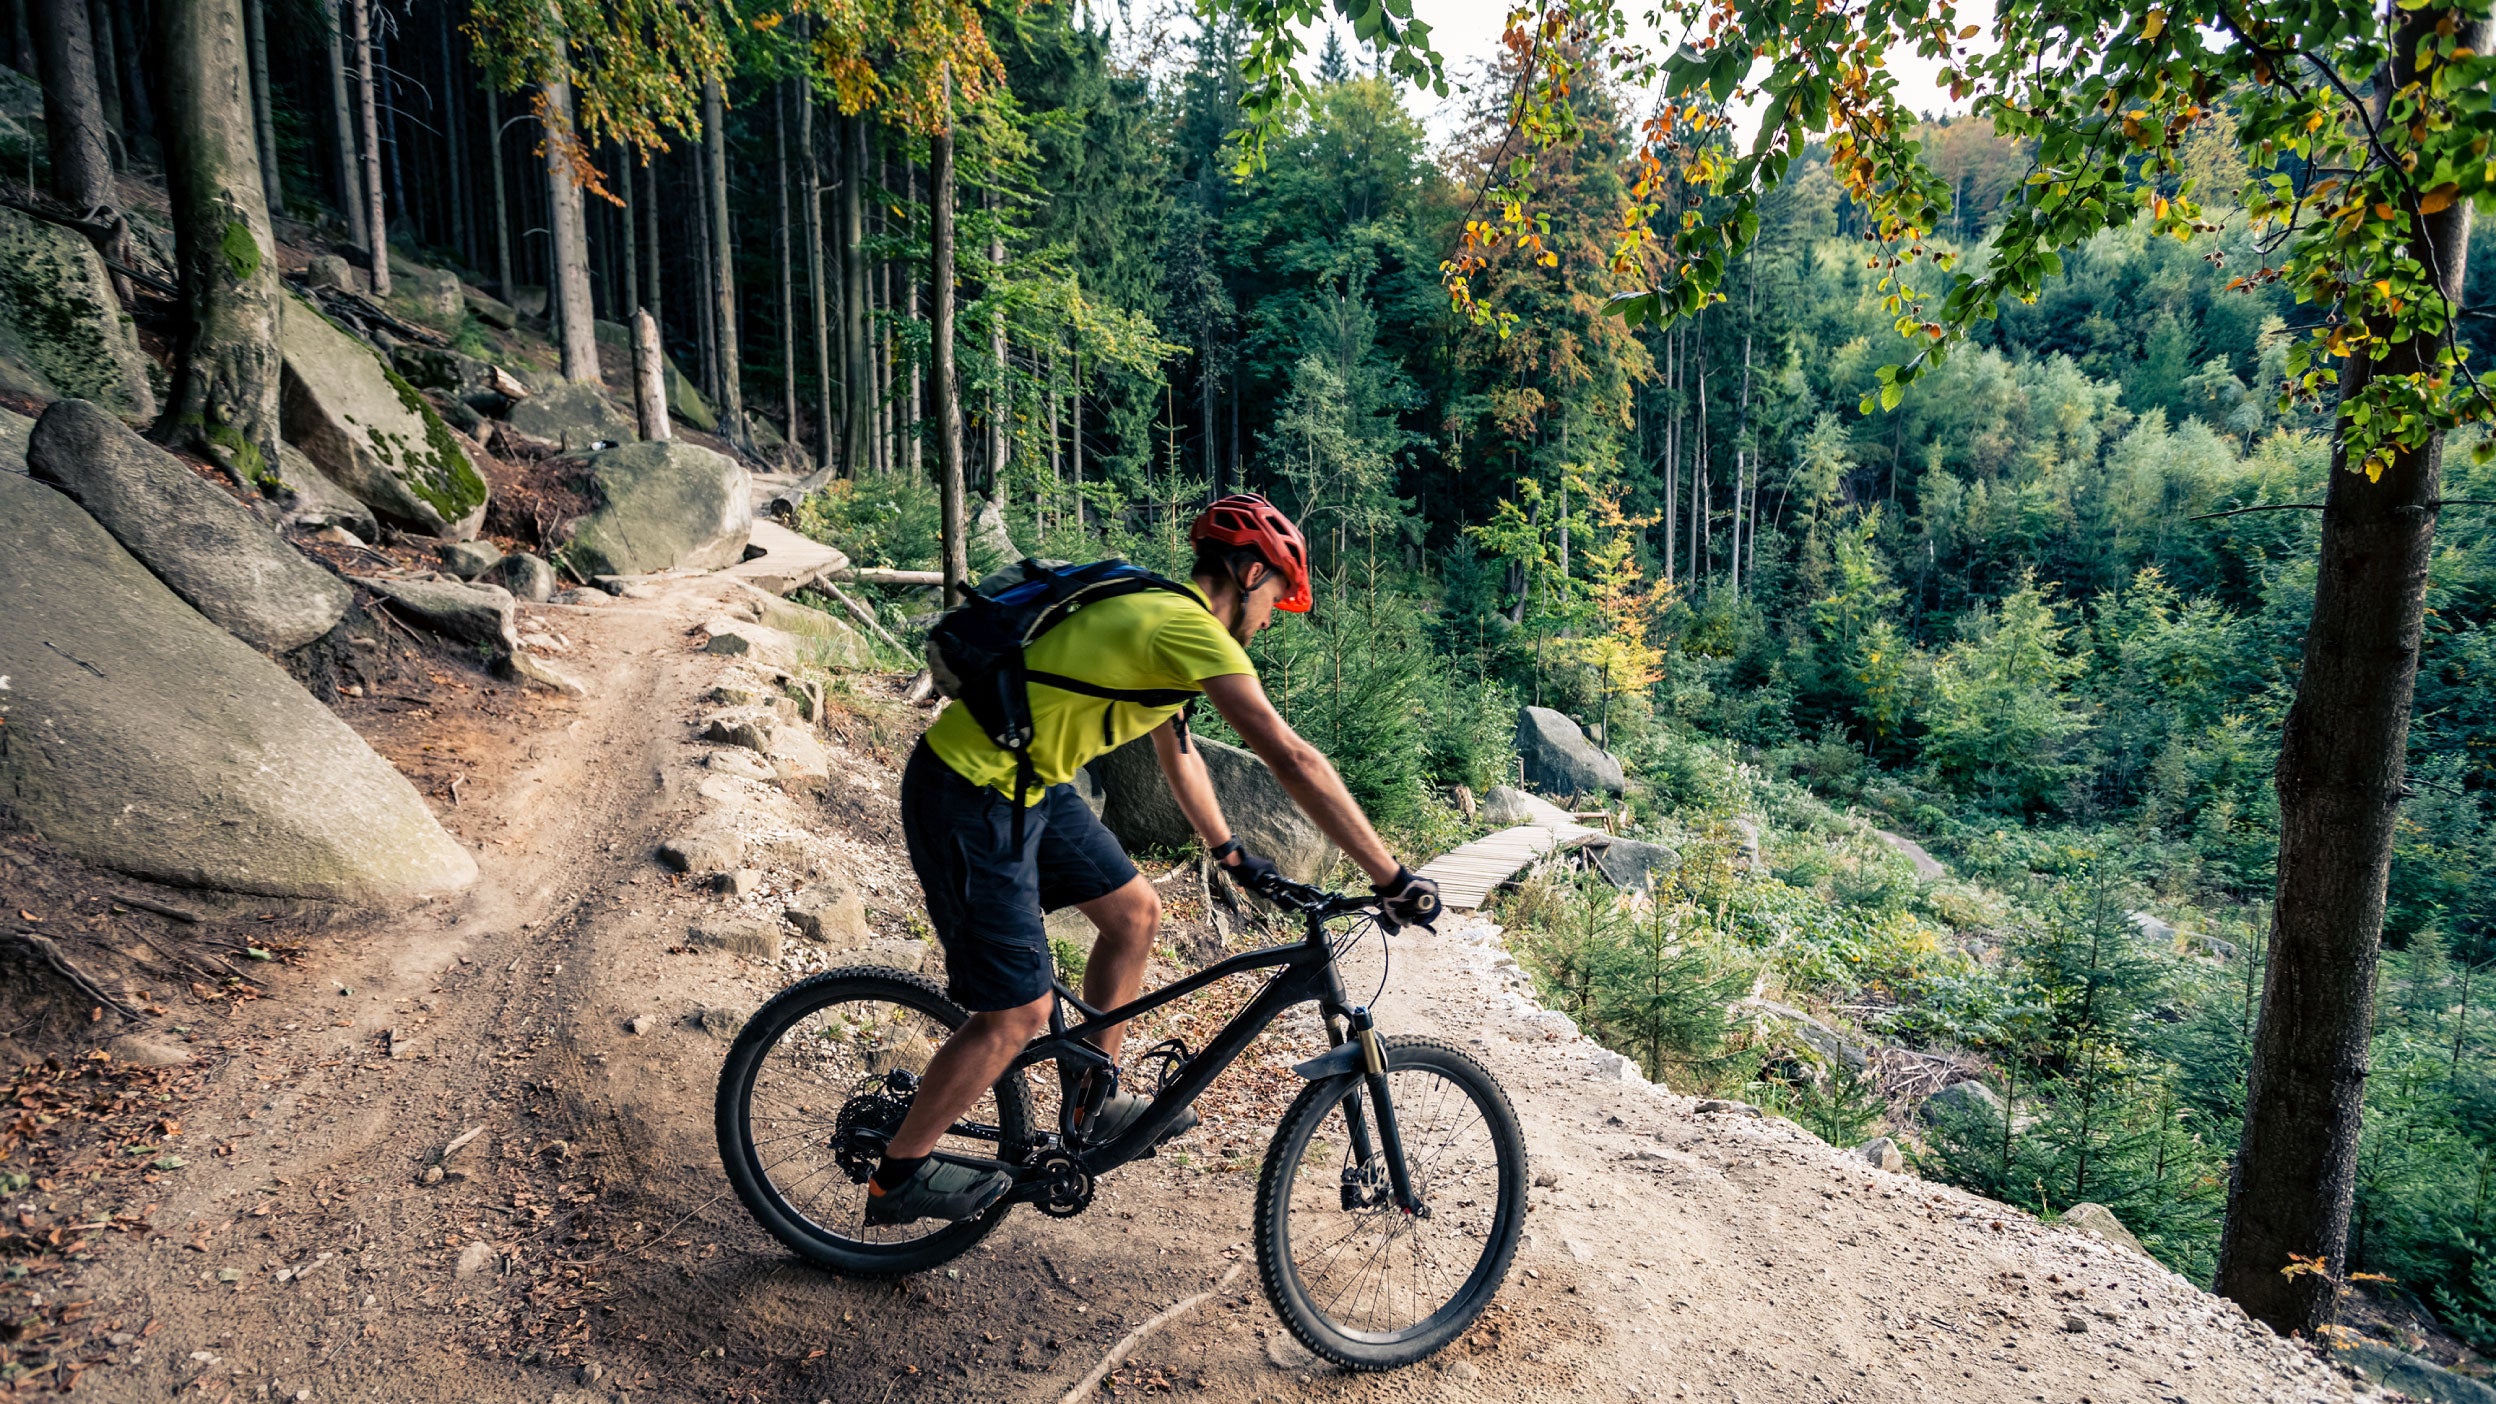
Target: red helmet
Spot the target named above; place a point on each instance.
(1245, 519)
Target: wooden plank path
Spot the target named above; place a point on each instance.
(1468, 876)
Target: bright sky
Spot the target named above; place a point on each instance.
(1466, 33)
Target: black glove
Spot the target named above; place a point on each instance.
(1407, 899)
(1252, 873)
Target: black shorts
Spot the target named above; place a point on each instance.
(986, 898)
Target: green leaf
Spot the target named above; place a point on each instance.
(1891, 394)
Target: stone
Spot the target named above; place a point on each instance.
(529, 670)
(719, 1022)
(1927, 868)
(333, 271)
(1560, 761)
(752, 732)
(699, 853)
(1633, 865)
(2100, 1223)
(819, 637)
(1137, 806)
(1461, 1371)
(832, 917)
(640, 1025)
(473, 1259)
(662, 506)
(1963, 1101)
(743, 882)
(900, 955)
(470, 559)
(1505, 807)
(1549, 1024)
(990, 545)
(1721, 1107)
(15, 430)
(314, 502)
(527, 299)
(141, 1051)
(741, 762)
(427, 295)
(684, 400)
(466, 379)
(527, 577)
(1882, 1153)
(1544, 1178)
(758, 939)
(2416, 1376)
(1748, 831)
(1826, 1045)
(373, 434)
(1613, 1067)
(492, 311)
(478, 614)
(211, 549)
(148, 740)
(760, 642)
(60, 318)
(573, 415)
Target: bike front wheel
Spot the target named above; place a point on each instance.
(1356, 1278)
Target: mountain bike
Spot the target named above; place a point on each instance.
(1387, 1211)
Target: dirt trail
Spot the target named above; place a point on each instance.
(582, 1246)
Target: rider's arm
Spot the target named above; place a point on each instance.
(1305, 774)
(1189, 785)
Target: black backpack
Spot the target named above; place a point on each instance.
(975, 654)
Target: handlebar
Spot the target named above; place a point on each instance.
(1314, 901)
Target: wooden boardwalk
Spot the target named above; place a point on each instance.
(1468, 876)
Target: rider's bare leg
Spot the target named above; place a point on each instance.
(1128, 919)
(969, 1064)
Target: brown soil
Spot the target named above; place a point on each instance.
(256, 1225)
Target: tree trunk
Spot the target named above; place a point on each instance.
(649, 378)
(2342, 765)
(788, 284)
(342, 130)
(1074, 439)
(947, 394)
(627, 221)
(568, 286)
(263, 121)
(818, 289)
(706, 307)
(502, 194)
(138, 108)
(653, 272)
(73, 108)
(225, 394)
(857, 378)
(723, 263)
(376, 225)
(455, 149)
(914, 429)
(1000, 404)
(107, 81)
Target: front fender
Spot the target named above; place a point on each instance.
(1345, 1057)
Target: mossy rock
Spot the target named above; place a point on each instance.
(362, 424)
(684, 399)
(60, 319)
(665, 505)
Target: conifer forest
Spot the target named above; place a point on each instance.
(1958, 526)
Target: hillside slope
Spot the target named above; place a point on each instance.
(582, 1245)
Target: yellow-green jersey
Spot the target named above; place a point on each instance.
(1151, 640)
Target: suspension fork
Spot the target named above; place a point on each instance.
(1390, 1137)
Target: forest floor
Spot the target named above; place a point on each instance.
(258, 1225)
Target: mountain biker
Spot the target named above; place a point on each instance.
(986, 896)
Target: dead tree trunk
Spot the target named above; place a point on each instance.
(948, 408)
(649, 378)
(723, 262)
(73, 107)
(263, 121)
(225, 393)
(2343, 760)
(376, 223)
(1000, 402)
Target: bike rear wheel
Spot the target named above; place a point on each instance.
(1359, 1281)
(812, 1084)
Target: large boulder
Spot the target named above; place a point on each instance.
(1633, 865)
(369, 430)
(572, 414)
(2099, 1222)
(312, 501)
(1137, 806)
(427, 295)
(989, 545)
(684, 400)
(60, 319)
(1504, 806)
(1559, 760)
(210, 548)
(1963, 1102)
(663, 505)
(15, 431)
(2413, 1375)
(141, 737)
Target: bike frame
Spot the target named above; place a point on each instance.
(1307, 972)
